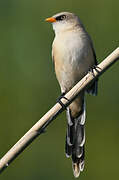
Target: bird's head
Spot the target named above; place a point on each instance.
(64, 21)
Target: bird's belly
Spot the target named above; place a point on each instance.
(67, 77)
(69, 71)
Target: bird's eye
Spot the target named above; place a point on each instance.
(60, 18)
(63, 17)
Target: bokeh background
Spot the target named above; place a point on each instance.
(28, 89)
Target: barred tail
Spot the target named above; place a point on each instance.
(75, 139)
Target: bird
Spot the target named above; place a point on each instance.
(73, 57)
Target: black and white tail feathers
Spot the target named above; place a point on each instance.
(75, 136)
(75, 139)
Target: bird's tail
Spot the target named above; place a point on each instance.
(75, 137)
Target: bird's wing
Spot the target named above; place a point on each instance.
(93, 89)
(94, 54)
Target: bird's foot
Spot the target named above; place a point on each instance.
(96, 68)
(60, 102)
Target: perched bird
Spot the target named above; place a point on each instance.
(73, 56)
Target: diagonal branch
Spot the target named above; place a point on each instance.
(39, 127)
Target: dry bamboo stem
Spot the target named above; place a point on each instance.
(38, 128)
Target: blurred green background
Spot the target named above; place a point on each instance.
(28, 89)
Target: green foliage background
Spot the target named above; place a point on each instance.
(28, 89)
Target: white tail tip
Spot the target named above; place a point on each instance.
(76, 170)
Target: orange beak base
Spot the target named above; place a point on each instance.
(51, 19)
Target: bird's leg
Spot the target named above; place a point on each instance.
(60, 102)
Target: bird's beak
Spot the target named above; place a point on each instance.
(50, 19)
